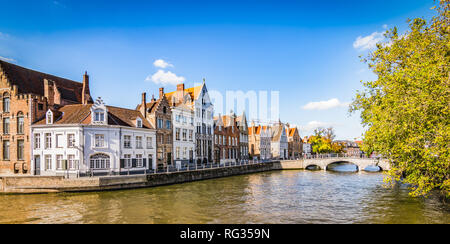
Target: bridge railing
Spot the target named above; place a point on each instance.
(336, 155)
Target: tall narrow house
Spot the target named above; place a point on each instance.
(203, 119)
(243, 137)
(295, 143)
(159, 114)
(26, 96)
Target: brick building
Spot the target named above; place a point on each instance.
(159, 114)
(295, 143)
(26, 96)
(259, 141)
(243, 137)
(226, 139)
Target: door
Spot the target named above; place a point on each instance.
(37, 165)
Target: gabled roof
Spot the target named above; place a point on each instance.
(194, 92)
(30, 81)
(81, 114)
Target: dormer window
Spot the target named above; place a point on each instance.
(49, 117)
(99, 116)
(139, 123)
(99, 112)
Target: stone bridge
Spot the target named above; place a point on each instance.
(323, 162)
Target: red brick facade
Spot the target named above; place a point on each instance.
(25, 96)
(226, 139)
(159, 113)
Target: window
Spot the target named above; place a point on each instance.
(59, 161)
(178, 153)
(5, 150)
(149, 142)
(150, 160)
(160, 124)
(71, 161)
(40, 106)
(139, 123)
(184, 135)
(177, 134)
(20, 150)
(48, 140)
(139, 142)
(127, 160)
(139, 162)
(37, 141)
(191, 133)
(168, 124)
(6, 102)
(6, 126)
(70, 140)
(100, 161)
(48, 162)
(59, 140)
(99, 140)
(99, 116)
(127, 141)
(20, 123)
(185, 153)
(49, 118)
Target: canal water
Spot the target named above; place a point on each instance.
(340, 196)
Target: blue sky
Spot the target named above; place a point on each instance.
(307, 50)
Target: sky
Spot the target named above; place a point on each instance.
(306, 51)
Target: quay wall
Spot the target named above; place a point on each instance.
(50, 184)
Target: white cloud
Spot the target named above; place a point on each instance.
(162, 64)
(308, 129)
(7, 59)
(165, 78)
(323, 105)
(368, 42)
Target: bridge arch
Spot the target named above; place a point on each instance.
(313, 167)
(331, 164)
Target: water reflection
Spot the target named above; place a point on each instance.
(270, 197)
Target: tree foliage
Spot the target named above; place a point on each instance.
(322, 141)
(406, 110)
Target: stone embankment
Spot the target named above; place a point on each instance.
(50, 184)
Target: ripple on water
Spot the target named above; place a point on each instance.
(270, 197)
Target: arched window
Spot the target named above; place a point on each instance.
(20, 123)
(6, 102)
(49, 117)
(99, 161)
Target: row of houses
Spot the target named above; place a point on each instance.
(52, 126)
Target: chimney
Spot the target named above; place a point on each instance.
(85, 94)
(49, 91)
(144, 104)
(161, 92)
(180, 87)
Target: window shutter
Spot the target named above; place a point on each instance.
(144, 162)
(133, 163)
(122, 163)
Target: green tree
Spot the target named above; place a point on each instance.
(406, 110)
(322, 141)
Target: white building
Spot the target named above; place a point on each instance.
(279, 143)
(95, 139)
(306, 149)
(183, 134)
(200, 103)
